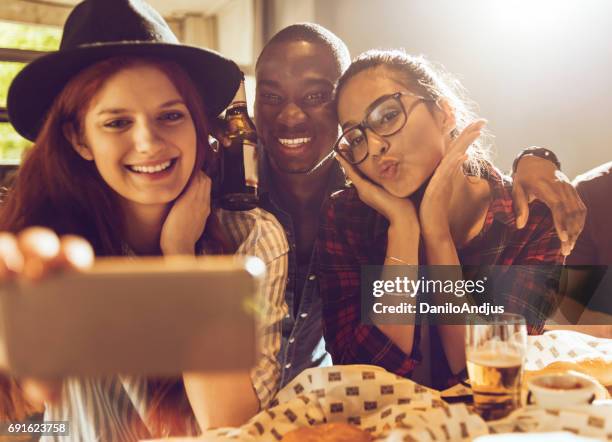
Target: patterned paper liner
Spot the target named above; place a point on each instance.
(564, 345)
(390, 407)
(395, 409)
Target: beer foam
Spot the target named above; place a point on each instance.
(499, 359)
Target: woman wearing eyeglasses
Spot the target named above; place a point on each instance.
(423, 193)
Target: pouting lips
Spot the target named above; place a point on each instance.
(388, 169)
(294, 142)
(152, 169)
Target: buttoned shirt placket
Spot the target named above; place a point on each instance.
(302, 345)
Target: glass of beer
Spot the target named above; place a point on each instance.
(495, 351)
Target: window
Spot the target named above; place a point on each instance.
(26, 38)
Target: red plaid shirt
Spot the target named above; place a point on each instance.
(352, 234)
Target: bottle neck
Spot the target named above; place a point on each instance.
(238, 108)
(240, 97)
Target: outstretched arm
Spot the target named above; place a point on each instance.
(536, 175)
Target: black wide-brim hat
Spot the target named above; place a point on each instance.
(99, 29)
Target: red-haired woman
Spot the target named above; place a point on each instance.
(121, 139)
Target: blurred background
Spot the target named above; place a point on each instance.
(540, 70)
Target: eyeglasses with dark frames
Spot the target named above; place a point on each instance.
(386, 116)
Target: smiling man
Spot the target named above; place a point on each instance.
(297, 125)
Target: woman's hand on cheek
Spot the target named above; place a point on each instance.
(185, 223)
(396, 210)
(433, 212)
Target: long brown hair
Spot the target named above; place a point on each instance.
(55, 187)
(431, 81)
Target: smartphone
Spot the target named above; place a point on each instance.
(149, 316)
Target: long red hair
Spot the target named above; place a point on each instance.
(55, 187)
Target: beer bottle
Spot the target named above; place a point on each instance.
(239, 160)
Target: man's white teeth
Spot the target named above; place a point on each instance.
(294, 142)
(151, 169)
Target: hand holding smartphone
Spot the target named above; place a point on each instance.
(151, 316)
